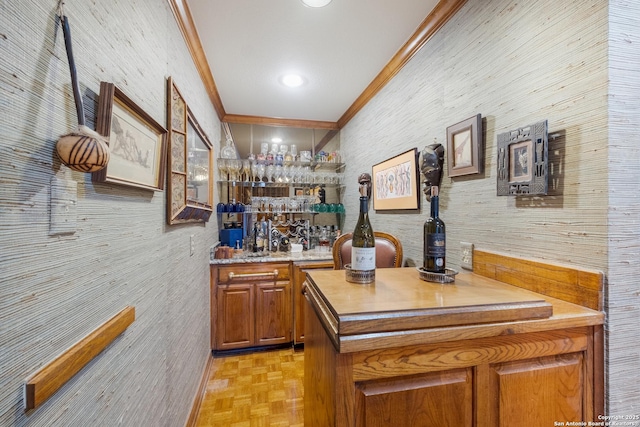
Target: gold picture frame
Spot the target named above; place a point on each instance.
(464, 147)
(137, 143)
(395, 183)
(189, 163)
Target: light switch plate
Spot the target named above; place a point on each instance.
(467, 255)
(63, 201)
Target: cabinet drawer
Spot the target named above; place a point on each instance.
(253, 272)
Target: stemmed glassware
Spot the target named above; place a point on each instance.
(246, 170)
(287, 174)
(234, 168)
(254, 170)
(270, 172)
(278, 174)
(223, 169)
(261, 168)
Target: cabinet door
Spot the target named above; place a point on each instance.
(537, 391)
(235, 317)
(273, 313)
(433, 399)
(299, 276)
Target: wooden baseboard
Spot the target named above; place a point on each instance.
(202, 389)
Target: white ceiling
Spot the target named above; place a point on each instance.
(338, 49)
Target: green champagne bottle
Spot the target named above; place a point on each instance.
(363, 246)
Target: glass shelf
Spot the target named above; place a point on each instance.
(262, 184)
(275, 213)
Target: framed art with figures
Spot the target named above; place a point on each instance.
(395, 183)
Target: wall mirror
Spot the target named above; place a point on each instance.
(190, 163)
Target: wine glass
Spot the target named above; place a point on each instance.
(234, 168)
(278, 174)
(246, 169)
(270, 170)
(287, 173)
(261, 168)
(223, 169)
(297, 173)
(254, 170)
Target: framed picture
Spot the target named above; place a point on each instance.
(137, 143)
(464, 147)
(190, 163)
(298, 191)
(395, 183)
(522, 161)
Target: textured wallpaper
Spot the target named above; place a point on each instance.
(56, 289)
(517, 63)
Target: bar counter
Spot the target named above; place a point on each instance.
(477, 352)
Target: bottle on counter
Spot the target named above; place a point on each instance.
(363, 247)
(434, 238)
(261, 240)
(313, 237)
(333, 235)
(323, 240)
(254, 238)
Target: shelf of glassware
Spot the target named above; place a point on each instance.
(263, 184)
(290, 173)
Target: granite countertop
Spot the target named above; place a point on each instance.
(249, 257)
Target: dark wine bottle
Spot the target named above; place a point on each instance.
(363, 245)
(254, 237)
(434, 238)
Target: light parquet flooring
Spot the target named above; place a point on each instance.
(258, 389)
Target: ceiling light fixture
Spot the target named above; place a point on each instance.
(276, 139)
(292, 80)
(316, 3)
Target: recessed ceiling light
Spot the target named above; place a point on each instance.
(292, 80)
(276, 139)
(316, 3)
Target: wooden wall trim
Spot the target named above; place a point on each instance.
(202, 390)
(444, 10)
(271, 121)
(187, 27)
(572, 284)
(431, 24)
(51, 377)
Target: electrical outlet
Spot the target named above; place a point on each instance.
(467, 255)
(192, 245)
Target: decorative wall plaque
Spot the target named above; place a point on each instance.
(523, 161)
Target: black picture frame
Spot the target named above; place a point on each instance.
(523, 161)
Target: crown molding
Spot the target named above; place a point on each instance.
(275, 121)
(185, 22)
(440, 15)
